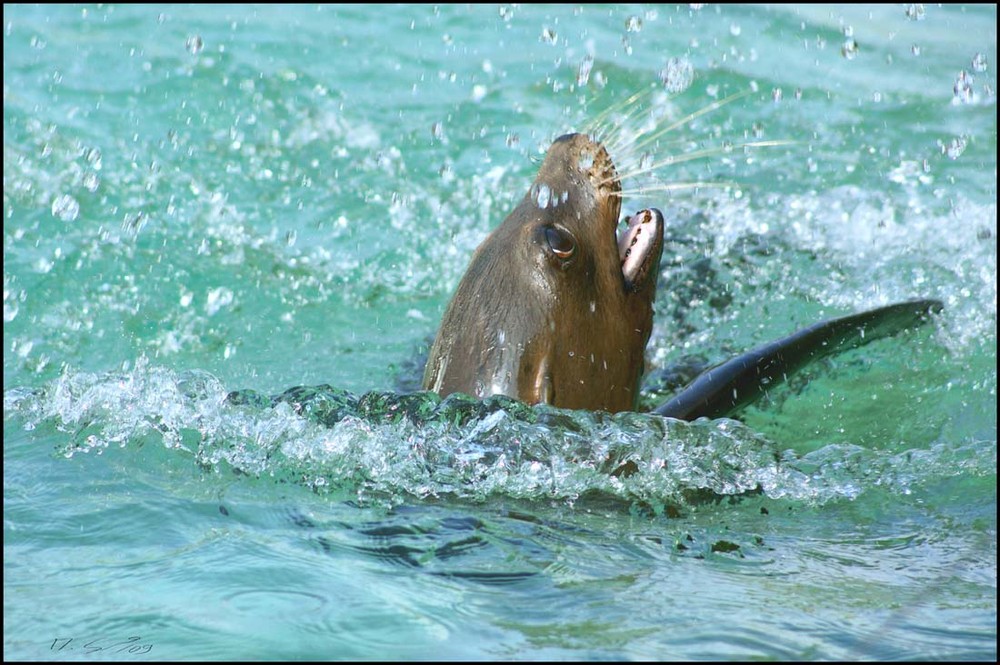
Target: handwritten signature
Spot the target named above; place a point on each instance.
(129, 645)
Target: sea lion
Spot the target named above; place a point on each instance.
(553, 308)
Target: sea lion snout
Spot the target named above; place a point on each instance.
(587, 162)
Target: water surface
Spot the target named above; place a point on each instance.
(203, 200)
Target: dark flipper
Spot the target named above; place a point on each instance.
(727, 387)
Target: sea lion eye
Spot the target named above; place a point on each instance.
(560, 242)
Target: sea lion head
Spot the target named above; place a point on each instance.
(553, 307)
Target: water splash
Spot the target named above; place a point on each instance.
(386, 447)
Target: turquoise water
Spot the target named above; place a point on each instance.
(199, 200)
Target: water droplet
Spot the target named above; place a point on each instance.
(478, 92)
(633, 24)
(627, 45)
(849, 49)
(91, 181)
(542, 196)
(513, 140)
(549, 35)
(133, 223)
(979, 62)
(217, 299)
(586, 161)
(506, 12)
(194, 44)
(915, 12)
(915, 49)
(437, 131)
(776, 95)
(955, 147)
(963, 88)
(677, 75)
(735, 30)
(798, 93)
(66, 208)
(584, 74)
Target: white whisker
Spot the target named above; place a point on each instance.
(676, 186)
(629, 102)
(701, 154)
(692, 116)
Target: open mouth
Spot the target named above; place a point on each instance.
(639, 246)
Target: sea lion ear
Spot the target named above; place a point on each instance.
(558, 243)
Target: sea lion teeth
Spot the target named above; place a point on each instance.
(639, 247)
